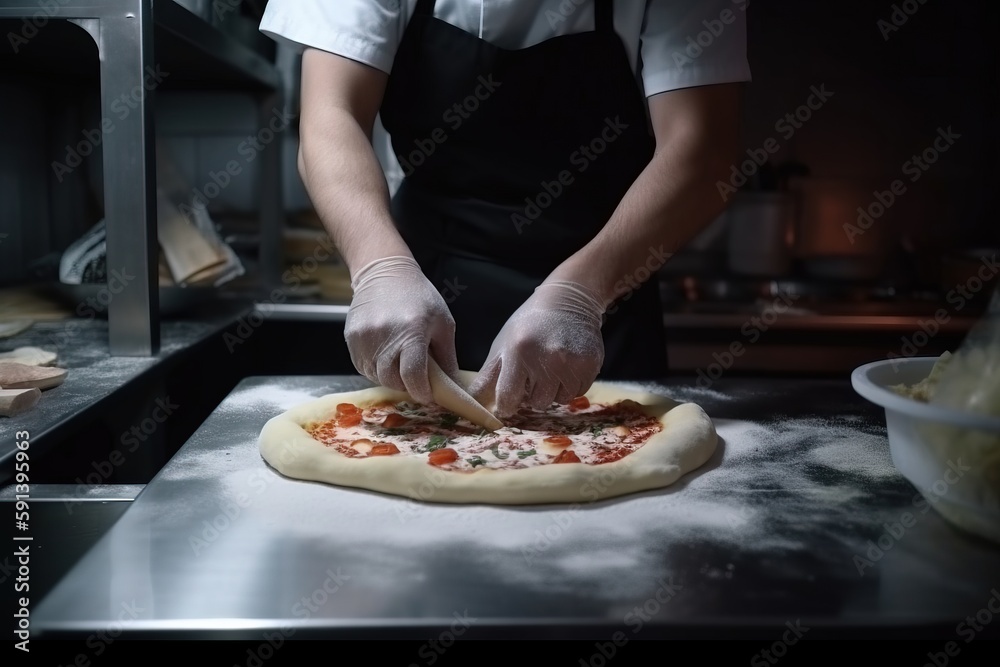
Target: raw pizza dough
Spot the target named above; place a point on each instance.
(686, 441)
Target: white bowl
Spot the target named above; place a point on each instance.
(952, 457)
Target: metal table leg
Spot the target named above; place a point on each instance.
(128, 81)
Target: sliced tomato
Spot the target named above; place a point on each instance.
(344, 409)
(349, 420)
(394, 420)
(567, 456)
(442, 456)
(384, 449)
(579, 403)
(558, 441)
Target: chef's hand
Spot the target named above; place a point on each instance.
(396, 317)
(549, 350)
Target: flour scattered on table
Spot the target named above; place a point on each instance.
(282, 399)
(771, 487)
(848, 449)
(681, 394)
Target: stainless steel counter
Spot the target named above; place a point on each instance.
(783, 525)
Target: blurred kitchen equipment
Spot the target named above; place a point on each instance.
(760, 231)
(190, 255)
(829, 230)
(704, 254)
(195, 254)
(193, 257)
(969, 269)
(846, 267)
(720, 290)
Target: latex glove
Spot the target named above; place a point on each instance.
(549, 350)
(396, 317)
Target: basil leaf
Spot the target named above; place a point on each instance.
(476, 461)
(436, 442)
(495, 448)
(449, 420)
(525, 453)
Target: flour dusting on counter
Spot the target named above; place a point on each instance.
(279, 398)
(686, 393)
(769, 486)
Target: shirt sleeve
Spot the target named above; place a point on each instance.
(367, 31)
(687, 43)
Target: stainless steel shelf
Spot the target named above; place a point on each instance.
(133, 37)
(184, 39)
(303, 312)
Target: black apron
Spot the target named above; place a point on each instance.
(514, 160)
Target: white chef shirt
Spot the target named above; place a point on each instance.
(671, 44)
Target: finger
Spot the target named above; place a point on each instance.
(511, 389)
(362, 362)
(387, 371)
(414, 372)
(588, 379)
(577, 382)
(483, 388)
(543, 392)
(443, 351)
(566, 393)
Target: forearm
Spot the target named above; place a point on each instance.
(348, 188)
(672, 200)
(675, 197)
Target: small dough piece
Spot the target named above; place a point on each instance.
(15, 401)
(451, 396)
(10, 328)
(22, 376)
(29, 356)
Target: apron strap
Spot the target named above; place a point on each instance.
(604, 16)
(424, 8)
